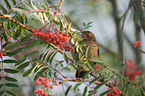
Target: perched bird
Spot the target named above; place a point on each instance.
(90, 40)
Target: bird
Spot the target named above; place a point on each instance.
(90, 40)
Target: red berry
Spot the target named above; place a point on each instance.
(51, 86)
(56, 83)
(4, 53)
(41, 79)
(33, 30)
(40, 29)
(36, 92)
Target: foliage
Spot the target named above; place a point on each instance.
(18, 23)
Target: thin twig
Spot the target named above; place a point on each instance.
(25, 50)
(38, 11)
(58, 8)
(123, 55)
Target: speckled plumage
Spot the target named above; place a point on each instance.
(90, 40)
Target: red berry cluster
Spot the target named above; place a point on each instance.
(67, 47)
(41, 92)
(132, 71)
(114, 92)
(57, 38)
(45, 82)
(2, 53)
(136, 44)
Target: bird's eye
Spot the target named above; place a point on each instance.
(88, 35)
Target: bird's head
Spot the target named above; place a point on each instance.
(88, 36)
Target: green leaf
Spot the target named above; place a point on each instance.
(87, 51)
(4, 25)
(5, 44)
(11, 85)
(17, 33)
(14, 2)
(24, 65)
(56, 22)
(35, 60)
(99, 85)
(33, 53)
(84, 24)
(73, 65)
(9, 61)
(1, 93)
(59, 62)
(50, 58)
(21, 60)
(126, 80)
(142, 93)
(108, 91)
(46, 3)
(99, 77)
(12, 71)
(67, 68)
(11, 45)
(96, 59)
(27, 72)
(86, 74)
(1, 85)
(65, 58)
(24, 31)
(9, 92)
(7, 4)
(132, 82)
(3, 9)
(80, 63)
(10, 79)
(30, 45)
(67, 91)
(91, 65)
(77, 85)
(15, 51)
(21, 20)
(25, 19)
(26, 38)
(85, 91)
(72, 54)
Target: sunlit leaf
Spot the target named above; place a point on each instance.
(96, 59)
(87, 51)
